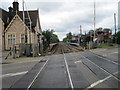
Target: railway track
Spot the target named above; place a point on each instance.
(56, 49)
(66, 70)
(106, 71)
(40, 67)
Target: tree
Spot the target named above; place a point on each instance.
(65, 39)
(116, 38)
(49, 37)
(54, 38)
(69, 35)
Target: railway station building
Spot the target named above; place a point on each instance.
(18, 30)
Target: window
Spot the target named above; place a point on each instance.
(22, 38)
(11, 39)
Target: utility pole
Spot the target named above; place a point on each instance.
(80, 30)
(24, 23)
(23, 12)
(80, 35)
(94, 19)
(115, 26)
(115, 22)
(29, 23)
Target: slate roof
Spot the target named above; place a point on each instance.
(4, 16)
(33, 15)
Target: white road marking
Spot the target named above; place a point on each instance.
(99, 50)
(100, 67)
(114, 53)
(104, 55)
(78, 61)
(13, 74)
(106, 59)
(110, 53)
(68, 72)
(100, 81)
(37, 74)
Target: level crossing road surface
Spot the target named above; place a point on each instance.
(84, 70)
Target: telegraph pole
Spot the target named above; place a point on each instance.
(94, 19)
(115, 22)
(80, 30)
(23, 12)
(80, 34)
(115, 26)
(24, 23)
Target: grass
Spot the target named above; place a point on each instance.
(104, 45)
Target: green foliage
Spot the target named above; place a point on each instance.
(116, 38)
(68, 37)
(99, 29)
(104, 45)
(91, 32)
(65, 40)
(54, 38)
(48, 34)
(106, 29)
(49, 37)
(118, 34)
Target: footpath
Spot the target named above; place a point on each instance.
(20, 60)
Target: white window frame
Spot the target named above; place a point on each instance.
(21, 37)
(11, 38)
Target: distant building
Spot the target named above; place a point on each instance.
(74, 39)
(15, 31)
(119, 16)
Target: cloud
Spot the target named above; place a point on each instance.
(67, 15)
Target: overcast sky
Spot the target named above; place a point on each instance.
(67, 15)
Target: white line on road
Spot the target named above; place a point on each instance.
(100, 68)
(98, 50)
(100, 81)
(106, 59)
(68, 72)
(13, 74)
(37, 75)
(78, 61)
(110, 53)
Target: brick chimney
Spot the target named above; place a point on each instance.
(11, 14)
(15, 5)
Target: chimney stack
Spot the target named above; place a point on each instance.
(10, 14)
(15, 6)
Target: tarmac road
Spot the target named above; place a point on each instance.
(111, 53)
(13, 70)
(71, 70)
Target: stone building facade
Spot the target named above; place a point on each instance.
(15, 31)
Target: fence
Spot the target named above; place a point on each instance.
(20, 50)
